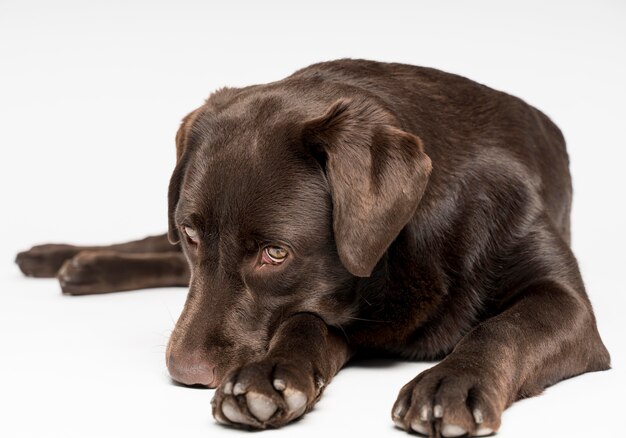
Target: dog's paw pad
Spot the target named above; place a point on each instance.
(260, 406)
(420, 427)
(234, 414)
(296, 401)
(452, 430)
(483, 431)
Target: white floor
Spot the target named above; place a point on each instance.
(92, 95)
(94, 367)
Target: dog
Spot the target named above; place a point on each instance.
(362, 208)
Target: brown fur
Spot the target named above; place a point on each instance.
(426, 216)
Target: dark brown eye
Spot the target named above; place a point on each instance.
(192, 235)
(274, 254)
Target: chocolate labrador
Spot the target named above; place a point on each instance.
(359, 207)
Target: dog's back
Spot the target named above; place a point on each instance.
(460, 122)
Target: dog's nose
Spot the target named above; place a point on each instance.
(191, 370)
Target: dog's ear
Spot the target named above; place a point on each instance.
(173, 193)
(377, 175)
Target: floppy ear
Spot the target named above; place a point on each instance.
(377, 175)
(173, 193)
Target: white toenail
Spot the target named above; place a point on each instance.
(424, 413)
(438, 411)
(228, 388)
(483, 431)
(418, 427)
(478, 416)
(452, 430)
(261, 406)
(296, 401)
(238, 389)
(279, 384)
(232, 412)
(320, 382)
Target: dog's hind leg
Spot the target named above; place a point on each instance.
(96, 272)
(46, 260)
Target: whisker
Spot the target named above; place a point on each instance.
(364, 299)
(367, 320)
(343, 331)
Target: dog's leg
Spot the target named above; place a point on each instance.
(304, 355)
(46, 260)
(94, 272)
(548, 334)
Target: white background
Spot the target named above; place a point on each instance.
(91, 95)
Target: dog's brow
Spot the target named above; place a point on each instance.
(184, 215)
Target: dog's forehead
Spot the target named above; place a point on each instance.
(243, 159)
(255, 183)
(242, 121)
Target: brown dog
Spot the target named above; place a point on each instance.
(362, 207)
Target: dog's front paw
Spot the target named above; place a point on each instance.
(266, 394)
(44, 260)
(450, 400)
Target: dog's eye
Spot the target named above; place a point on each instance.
(274, 255)
(192, 234)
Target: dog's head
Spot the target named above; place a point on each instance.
(279, 206)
